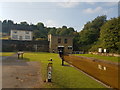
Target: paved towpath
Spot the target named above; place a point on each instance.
(19, 73)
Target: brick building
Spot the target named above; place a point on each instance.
(64, 43)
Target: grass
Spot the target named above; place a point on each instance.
(6, 53)
(109, 58)
(62, 76)
(5, 38)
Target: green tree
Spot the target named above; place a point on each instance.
(91, 32)
(110, 35)
(24, 23)
(76, 43)
(52, 31)
(63, 30)
(40, 26)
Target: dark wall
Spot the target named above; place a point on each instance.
(15, 45)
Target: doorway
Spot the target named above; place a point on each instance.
(61, 48)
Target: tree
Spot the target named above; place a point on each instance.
(91, 32)
(24, 23)
(76, 43)
(10, 22)
(40, 26)
(71, 31)
(63, 31)
(52, 31)
(5, 27)
(110, 35)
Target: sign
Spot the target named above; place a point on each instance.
(100, 50)
(105, 50)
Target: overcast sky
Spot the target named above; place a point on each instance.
(70, 14)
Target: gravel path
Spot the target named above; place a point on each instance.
(19, 73)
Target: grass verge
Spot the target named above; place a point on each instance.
(108, 58)
(62, 76)
(6, 53)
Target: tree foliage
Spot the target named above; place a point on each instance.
(110, 35)
(96, 33)
(40, 32)
(91, 32)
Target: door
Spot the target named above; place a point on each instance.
(61, 49)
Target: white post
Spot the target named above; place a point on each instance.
(49, 75)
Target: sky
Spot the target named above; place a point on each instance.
(57, 14)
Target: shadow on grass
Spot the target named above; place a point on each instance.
(25, 59)
(66, 65)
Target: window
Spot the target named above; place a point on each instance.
(27, 37)
(69, 47)
(15, 32)
(59, 40)
(27, 32)
(15, 36)
(65, 40)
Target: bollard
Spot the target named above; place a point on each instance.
(49, 72)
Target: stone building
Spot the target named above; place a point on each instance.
(21, 35)
(21, 40)
(64, 43)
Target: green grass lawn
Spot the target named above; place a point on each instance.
(6, 53)
(109, 58)
(62, 76)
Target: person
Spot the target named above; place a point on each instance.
(60, 54)
(18, 55)
(53, 51)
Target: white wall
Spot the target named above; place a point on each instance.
(21, 35)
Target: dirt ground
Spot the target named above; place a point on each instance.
(19, 73)
(105, 71)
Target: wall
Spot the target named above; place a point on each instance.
(105, 54)
(15, 45)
